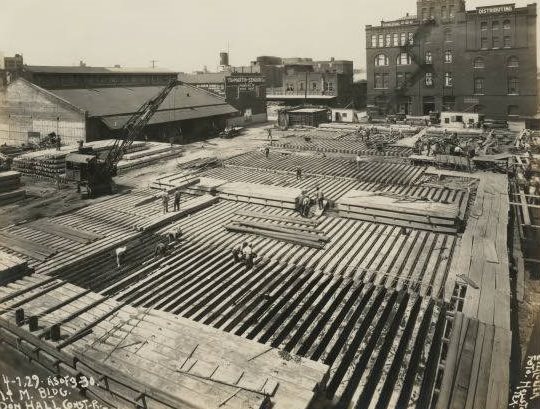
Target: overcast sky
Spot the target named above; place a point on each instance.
(186, 35)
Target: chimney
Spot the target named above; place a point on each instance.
(332, 59)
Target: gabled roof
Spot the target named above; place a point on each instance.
(183, 102)
(49, 69)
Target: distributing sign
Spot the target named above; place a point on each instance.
(506, 8)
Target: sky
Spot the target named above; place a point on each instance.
(186, 35)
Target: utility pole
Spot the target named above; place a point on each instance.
(153, 63)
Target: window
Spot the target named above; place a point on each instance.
(411, 38)
(403, 59)
(448, 56)
(484, 43)
(496, 43)
(373, 41)
(301, 88)
(290, 87)
(314, 86)
(506, 25)
(431, 12)
(403, 38)
(507, 41)
(447, 79)
(381, 40)
(424, 14)
(483, 26)
(381, 80)
(451, 10)
(429, 79)
(495, 25)
(512, 62)
(478, 85)
(478, 62)
(428, 57)
(396, 39)
(330, 86)
(447, 35)
(381, 60)
(513, 86)
(402, 78)
(444, 13)
(388, 40)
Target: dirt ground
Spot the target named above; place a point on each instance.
(44, 199)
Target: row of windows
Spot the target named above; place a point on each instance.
(495, 25)
(428, 13)
(400, 39)
(496, 42)
(328, 86)
(391, 40)
(382, 60)
(382, 81)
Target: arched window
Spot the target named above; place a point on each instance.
(428, 58)
(495, 25)
(513, 61)
(381, 60)
(448, 56)
(478, 62)
(388, 40)
(403, 59)
(396, 39)
(506, 25)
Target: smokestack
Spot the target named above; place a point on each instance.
(224, 59)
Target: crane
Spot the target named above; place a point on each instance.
(88, 169)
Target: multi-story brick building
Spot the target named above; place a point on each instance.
(447, 58)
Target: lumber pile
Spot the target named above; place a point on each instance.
(26, 247)
(12, 268)
(277, 196)
(283, 228)
(10, 187)
(476, 372)
(200, 163)
(49, 164)
(450, 161)
(395, 209)
(152, 154)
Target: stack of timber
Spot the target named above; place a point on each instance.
(10, 187)
(200, 163)
(12, 268)
(476, 366)
(406, 130)
(302, 232)
(363, 251)
(380, 170)
(382, 346)
(175, 180)
(150, 358)
(399, 210)
(275, 196)
(449, 161)
(334, 188)
(348, 146)
(153, 153)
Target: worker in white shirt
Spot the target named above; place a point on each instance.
(120, 251)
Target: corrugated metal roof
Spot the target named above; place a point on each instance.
(205, 78)
(117, 122)
(49, 69)
(183, 102)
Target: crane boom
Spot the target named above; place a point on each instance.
(134, 126)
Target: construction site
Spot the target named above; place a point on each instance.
(382, 272)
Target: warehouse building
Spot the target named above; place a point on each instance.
(447, 58)
(243, 88)
(28, 111)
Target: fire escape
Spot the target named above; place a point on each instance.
(423, 30)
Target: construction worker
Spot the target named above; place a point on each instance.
(177, 200)
(165, 201)
(305, 206)
(120, 251)
(298, 173)
(58, 142)
(248, 255)
(161, 250)
(300, 202)
(175, 235)
(237, 252)
(358, 161)
(319, 197)
(267, 152)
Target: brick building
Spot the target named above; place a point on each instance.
(447, 58)
(242, 87)
(302, 79)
